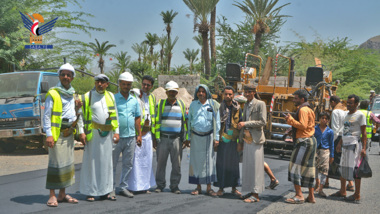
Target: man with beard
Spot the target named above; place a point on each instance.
(203, 131)
(302, 161)
(101, 129)
(227, 160)
(59, 117)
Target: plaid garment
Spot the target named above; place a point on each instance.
(302, 162)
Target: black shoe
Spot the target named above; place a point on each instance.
(176, 191)
(126, 193)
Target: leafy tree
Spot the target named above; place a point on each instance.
(191, 56)
(212, 36)
(168, 17)
(138, 49)
(151, 41)
(82, 61)
(202, 10)
(168, 50)
(262, 12)
(123, 60)
(162, 42)
(100, 50)
(144, 51)
(199, 41)
(139, 69)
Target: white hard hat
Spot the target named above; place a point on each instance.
(126, 76)
(67, 67)
(172, 86)
(372, 91)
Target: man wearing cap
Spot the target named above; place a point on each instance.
(373, 95)
(59, 121)
(142, 176)
(101, 131)
(203, 131)
(251, 139)
(128, 110)
(171, 132)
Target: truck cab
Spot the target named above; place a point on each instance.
(22, 102)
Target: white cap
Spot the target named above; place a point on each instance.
(67, 67)
(372, 91)
(172, 86)
(126, 76)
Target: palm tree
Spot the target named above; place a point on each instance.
(144, 51)
(191, 56)
(154, 58)
(168, 50)
(202, 10)
(122, 60)
(162, 42)
(151, 40)
(100, 50)
(212, 36)
(199, 41)
(138, 49)
(82, 61)
(262, 12)
(168, 17)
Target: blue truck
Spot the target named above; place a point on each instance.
(22, 99)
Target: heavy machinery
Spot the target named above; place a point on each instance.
(277, 93)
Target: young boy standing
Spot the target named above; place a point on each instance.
(325, 151)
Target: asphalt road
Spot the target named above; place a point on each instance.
(26, 193)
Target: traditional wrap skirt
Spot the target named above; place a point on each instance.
(302, 162)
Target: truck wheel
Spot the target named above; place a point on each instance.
(8, 147)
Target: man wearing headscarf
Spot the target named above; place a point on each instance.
(101, 130)
(203, 132)
(59, 117)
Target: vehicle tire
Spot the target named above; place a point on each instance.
(8, 147)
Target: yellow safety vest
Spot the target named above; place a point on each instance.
(152, 111)
(87, 113)
(161, 105)
(369, 125)
(56, 113)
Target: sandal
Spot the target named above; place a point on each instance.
(211, 193)
(68, 199)
(52, 203)
(236, 193)
(337, 194)
(246, 196)
(350, 188)
(108, 197)
(90, 199)
(220, 192)
(352, 199)
(196, 192)
(294, 200)
(307, 200)
(251, 199)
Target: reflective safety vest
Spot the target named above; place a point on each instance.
(161, 106)
(152, 112)
(87, 113)
(56, 113)
(369, 125)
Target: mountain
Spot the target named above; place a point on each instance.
(372, 43)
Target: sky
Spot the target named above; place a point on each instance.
(127, 21)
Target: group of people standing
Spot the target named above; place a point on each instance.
(132, 123)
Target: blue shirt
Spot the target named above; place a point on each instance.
(128, 110)
(200, 118)
(325, 140)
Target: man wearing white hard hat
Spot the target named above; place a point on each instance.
(373, 94)
(129, 118)
(171, 132)
(142, 176)
(59, 122)
(101, 131)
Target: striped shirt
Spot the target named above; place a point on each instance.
(171, 122)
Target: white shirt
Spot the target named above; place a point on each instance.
(337, 118)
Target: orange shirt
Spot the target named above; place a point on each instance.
(306, 124)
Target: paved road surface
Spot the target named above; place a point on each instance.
(25, 193)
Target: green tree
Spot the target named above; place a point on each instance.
(144, 51)
(151, 41)
(100, 50)
(212, 36)
(138, 49)
(202, 10)
(191, 56)
(168, 17)
(139, 69)
(82, 61)
(162, 42)
(262, 12)
(169, 51)
(123, 60)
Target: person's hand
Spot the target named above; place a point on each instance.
(239, 147)
(155, 143)
(116, 138)
(138, 141)
(241, 125)
(363, 153)
(82, 139)
(287, 116)
(50, 141)
(216, 144)
(187, 143)
(331, 160)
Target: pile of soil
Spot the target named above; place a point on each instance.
(160, 93)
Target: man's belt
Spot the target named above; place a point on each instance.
(67, 130)
(169, 136)
(102, 127)
(202, 134)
